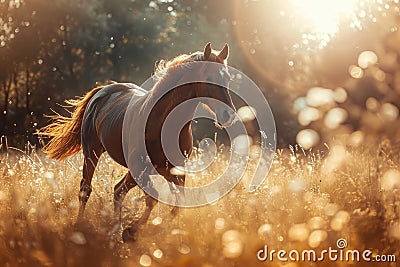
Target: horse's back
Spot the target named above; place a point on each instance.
(104, 117)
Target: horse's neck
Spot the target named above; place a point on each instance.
(174, 96)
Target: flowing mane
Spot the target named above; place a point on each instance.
(162, 66)
(165, 74)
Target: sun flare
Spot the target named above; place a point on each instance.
(324, 16)
(321, 20)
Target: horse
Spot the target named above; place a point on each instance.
(96, 124)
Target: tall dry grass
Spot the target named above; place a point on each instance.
(309, 200)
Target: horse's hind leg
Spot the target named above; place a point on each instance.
(89, 165)
(120, 191)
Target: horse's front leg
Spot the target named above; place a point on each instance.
(129, 233)
(177, 180)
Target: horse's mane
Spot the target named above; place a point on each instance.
(164, 69)
(162, 66)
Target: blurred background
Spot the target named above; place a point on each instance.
(329, 69)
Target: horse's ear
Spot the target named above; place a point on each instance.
(224, 52)
(207, 51)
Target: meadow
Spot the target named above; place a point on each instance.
(308, 201)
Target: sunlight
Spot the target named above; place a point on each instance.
(322, 18)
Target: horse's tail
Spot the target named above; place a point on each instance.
(65, 132)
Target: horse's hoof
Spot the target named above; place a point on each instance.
(129, 234)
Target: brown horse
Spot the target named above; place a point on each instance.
(97, 122)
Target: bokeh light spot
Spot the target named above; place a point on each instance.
(316, 237)
(389, 112)
(308, 115)
(158, 253)
(145, 260)
(307, 138)
(380, 75)
(241, 144)
(246, 113)
(356, 72)
(335, 117)
(394, 230)
(264, 230)
(372, 104)
(232, 243)
(219, 224)
(316, 222)
(356, 138)
(367, 58)
(299, 232)
(340, 95)
(391, 180)
(318, 96)
(340, 220)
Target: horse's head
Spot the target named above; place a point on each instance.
(216, 87)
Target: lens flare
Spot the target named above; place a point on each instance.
(323, 18)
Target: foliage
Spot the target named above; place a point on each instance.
(55, 50)
(52, 51)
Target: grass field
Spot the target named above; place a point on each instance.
(307, 201)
